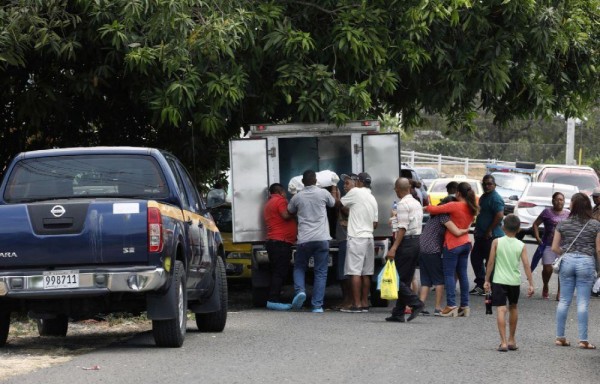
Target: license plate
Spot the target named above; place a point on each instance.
(61, 279)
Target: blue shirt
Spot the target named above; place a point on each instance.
(489, 205)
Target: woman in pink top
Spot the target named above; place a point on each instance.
(456, 248)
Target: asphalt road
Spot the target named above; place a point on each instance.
(259, 346)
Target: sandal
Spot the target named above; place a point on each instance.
(502, 349)
(562, 342)
(512, 347)
(586, 345)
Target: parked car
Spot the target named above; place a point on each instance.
(535, 198)
(437, 190)
(427, 174)
(585, 178)
(510, 186)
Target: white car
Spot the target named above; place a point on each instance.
(535, 198)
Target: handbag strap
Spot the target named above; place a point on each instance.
(576, 237)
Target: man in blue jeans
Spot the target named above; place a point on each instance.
(313, 239)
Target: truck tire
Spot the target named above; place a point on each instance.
(376, 300)
(171, 333)
(260, 295)
(53, 327)
(4, 326)
(215, 321)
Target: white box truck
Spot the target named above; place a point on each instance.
(274, 153)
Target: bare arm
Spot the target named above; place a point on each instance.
(527, 269)
(399, 236)
(497, 219)
(536, 229)
(490, 266)
(556, 243)
(450, 226)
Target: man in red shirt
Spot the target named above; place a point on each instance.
(281, 235)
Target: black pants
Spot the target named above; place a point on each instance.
(280, 256)
(479, 258)
(406, 260)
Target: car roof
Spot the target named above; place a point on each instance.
(564, 166)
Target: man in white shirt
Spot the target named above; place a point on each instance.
(360, 258)
(405, 250)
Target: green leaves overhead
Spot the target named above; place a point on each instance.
(155, 72)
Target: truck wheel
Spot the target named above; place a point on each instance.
(53, 327)
(215, 321)
(376, 300)
(4, 326)
(171, 333)
(260, 295)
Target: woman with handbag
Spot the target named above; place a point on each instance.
(550, 217)
(577, 240)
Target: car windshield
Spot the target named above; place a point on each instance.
(513, 181)
(547, 191)
(61, 177)
(427, 173)
(586, 182)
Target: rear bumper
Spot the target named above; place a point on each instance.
(30, 284)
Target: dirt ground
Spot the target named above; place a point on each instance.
(25, 351)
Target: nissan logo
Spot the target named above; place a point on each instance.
(58, 211)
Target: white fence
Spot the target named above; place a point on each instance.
(412, 157)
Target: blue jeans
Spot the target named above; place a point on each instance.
(456, 260)
(576, 271)
(320, 251)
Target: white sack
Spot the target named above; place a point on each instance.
(325, 178)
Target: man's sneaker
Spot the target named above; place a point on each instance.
(415, 311)
(425, 313)
(477, 291)
(278, 306)
(352, 309)
(317, 310)
(298, 300)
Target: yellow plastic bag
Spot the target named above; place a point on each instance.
(389, 281)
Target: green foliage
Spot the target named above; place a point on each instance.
(185, 75)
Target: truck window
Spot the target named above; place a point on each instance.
(192, 193)
(85, 176)
(180, 185)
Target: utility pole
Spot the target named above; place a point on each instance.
(570, 152)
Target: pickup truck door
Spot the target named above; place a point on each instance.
(381, 160)
(199, 260)
(250, 182)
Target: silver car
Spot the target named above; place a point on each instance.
(535, 198)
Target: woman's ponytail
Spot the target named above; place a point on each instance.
(468, 194)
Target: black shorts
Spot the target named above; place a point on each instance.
(502, 292)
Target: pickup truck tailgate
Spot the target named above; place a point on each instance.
(73, 232)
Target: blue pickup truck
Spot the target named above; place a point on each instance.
(91, 231)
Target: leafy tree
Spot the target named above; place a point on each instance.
(161, 72)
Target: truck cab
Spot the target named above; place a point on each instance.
(275, 153)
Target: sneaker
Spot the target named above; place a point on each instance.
(477, 291)
(352, 309)
(437, 312)
(298, 300)
(278, 306)
(415, 311)
(425, 313)
(317, 310)
(408, 311)
(364, 309)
